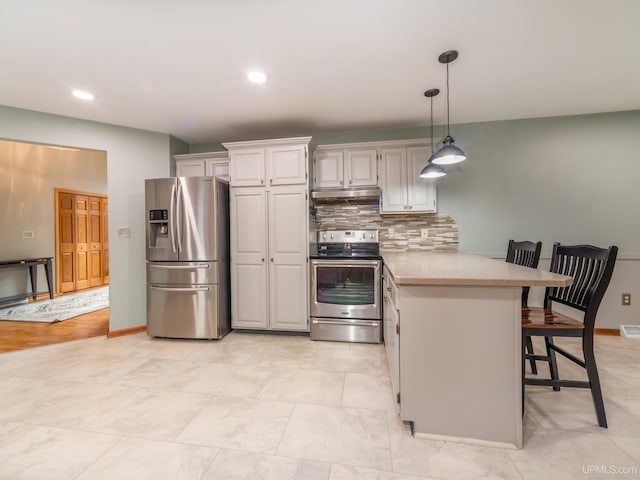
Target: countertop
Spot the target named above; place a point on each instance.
(456, 268)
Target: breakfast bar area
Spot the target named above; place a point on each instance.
(453, 341)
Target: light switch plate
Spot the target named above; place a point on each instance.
(424, 233)
(124, 232)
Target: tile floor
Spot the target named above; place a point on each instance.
(280, 408)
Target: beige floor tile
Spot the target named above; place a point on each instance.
(225, 353)
(75, 406)
(567, 455)
(450, 460)
(630, 445)
(337, 435)
(348, 472)
(161, 373)
(19, 395)
(51, 453)
(232, 380)
(285, 356)
(151, 414)
(362, 390)
(307, 386)
(350, 360)
(138, 459)
(238, 465)
(246, 424)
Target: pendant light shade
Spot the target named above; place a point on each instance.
(448, 153)
(431, 170)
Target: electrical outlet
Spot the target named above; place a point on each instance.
(626, 299)
(424, 233)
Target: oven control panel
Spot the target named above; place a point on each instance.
(348, 236)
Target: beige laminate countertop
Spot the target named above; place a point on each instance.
(455, 268)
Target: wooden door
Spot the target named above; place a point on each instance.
(94, 236)
(66, 244)
(104, 213)
(81, 220)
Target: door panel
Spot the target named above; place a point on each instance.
(421, 192)
(104, 213)
(197, 224)
(247, 167)
(328, 170)
(361, 168)
(394, 180)
(249, 296)
(95, 242)
(81, 215)
(288, 297)
(287, 165)
(66, 244)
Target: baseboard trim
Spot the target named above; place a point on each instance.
(126, 331)
(609, 332)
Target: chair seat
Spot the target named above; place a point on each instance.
(536, 317)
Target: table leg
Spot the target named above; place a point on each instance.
(33, 273)
(48, 270)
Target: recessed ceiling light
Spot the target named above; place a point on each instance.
(82, 94)
(257, 77)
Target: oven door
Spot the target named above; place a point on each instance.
(345, 288)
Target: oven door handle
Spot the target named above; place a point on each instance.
(358, 323)
(347, 264)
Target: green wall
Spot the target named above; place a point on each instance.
(132, 156)
(568, 179)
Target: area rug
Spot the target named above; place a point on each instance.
(60, 308)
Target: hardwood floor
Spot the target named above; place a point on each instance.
(23, 335)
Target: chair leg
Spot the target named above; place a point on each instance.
(594, 380)
(553, 364)
(529, 350)
(524, 344)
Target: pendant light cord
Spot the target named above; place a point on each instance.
(432, 146)
(448, 132)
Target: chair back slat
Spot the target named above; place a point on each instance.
(527, 254)
(591, 268)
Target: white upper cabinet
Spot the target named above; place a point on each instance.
(345, 167)
(269, 162)
(213, 164)
(403, 191)
(361, 168)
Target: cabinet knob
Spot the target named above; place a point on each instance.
(410, 207)
(262, 181)
(341, 182)
(271, 180)
(350, 182)
(272, 260)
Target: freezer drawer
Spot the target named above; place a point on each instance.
(346, 330)
(183, 273)
(187, 311)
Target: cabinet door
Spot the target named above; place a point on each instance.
(95, 242)
(328, 168)
(288, 275)
(287, 165)
(361, 168)
(421, 192)
(393, 180)
(81, 214)
(247, 167)
(217, 168)
(248, 258)
(392, 345)
(190, 168)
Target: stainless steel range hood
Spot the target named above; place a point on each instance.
(331, 194)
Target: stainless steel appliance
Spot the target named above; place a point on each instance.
(346, 287)
(187, 238)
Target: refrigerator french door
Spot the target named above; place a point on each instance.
(187, 248)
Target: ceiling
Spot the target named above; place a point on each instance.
(179, 67)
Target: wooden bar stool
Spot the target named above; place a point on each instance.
(527, 254)
(591, 268)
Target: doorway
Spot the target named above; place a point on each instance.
(82, 241)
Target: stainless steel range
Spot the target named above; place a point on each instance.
(346, 287)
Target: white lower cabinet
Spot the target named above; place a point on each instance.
(269, 267)
(391, 325)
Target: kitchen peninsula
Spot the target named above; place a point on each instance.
(453, 340)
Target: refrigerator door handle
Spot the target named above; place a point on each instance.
(180, 267)
(179, 216)
(181, 289)
(172, 212)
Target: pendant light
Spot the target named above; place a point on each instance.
(448, 153)
(431, 170)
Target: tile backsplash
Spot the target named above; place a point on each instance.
(399, 232)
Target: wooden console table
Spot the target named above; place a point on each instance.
(32, 265)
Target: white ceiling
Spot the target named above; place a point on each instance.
(179, 67)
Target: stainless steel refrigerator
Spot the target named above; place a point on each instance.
(187, 238)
